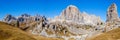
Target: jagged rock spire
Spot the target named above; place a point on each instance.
(112, 14)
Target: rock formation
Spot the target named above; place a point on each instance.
(112, 14)
(71, 23)
(9, 18)
(72, 14)
(112, 21)
(24, 21)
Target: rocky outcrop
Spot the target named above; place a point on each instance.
(27, 21)
(72, 14)
(24, 21)
(9, 18)
(112, 14)
(113, 20)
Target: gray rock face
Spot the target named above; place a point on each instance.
(112, 14)
(72, 14)
(113, 20)
(9, 18)
(25, 15)
(25, 21)
(31, 21)
(24, 18)
(27, 18)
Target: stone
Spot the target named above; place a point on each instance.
(113, 20)
(73, 14)
(112, 14)
(8, 18)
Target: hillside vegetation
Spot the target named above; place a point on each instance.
(111, 35)
(8, 32)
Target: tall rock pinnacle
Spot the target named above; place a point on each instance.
(112, 14)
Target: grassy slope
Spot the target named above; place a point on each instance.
(8, 32)
(111, 35)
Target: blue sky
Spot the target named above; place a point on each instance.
(52, 8)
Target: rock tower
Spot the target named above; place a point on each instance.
(112, 14)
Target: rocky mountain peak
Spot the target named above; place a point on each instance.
(71, 12)
(113, 5)
(72, 8)
(9, 17)
(112, 14)
(25, 15)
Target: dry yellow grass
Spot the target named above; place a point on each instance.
(8, 32)
(46, 38)
(111, 35)
(71, 39)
